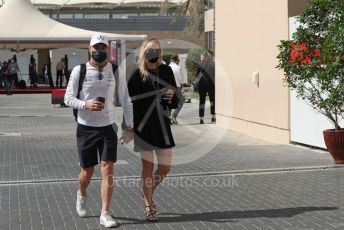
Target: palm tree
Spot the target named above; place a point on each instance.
(193, 10)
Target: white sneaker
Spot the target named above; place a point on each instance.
(107, 220)
(81, 205)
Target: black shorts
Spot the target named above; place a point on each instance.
(94, 140)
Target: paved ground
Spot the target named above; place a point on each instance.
(220, 179)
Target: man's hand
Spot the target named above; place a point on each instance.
(94, 105)
(127, 136)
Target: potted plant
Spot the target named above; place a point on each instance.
(313, 65)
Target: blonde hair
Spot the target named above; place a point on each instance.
(142, 58)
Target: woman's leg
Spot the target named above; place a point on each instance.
(164, 157)
(147, 160)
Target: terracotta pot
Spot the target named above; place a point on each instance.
(334, 141)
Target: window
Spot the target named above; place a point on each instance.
(123, 16)
(65, 16)
(78, 16)
(149, 14)
(97, 16)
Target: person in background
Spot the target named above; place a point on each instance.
(32, 73)
(179, 81)
(60, 66)
(48, 72)
(13, 72)
(206, 85)
(4, 78)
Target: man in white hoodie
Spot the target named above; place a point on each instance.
(96, 128)
(179, 81)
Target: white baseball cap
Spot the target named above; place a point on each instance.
(99, 38)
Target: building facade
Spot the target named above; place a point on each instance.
(125, 17)
(250, 95)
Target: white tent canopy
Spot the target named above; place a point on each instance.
(72, 2)
(25, 26)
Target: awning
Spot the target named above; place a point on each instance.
(24, 26)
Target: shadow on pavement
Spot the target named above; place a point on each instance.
(228, 216)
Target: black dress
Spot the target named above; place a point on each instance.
(151, 112)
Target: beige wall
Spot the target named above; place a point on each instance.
(247, 33)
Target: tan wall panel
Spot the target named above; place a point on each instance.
(247, 33)
(263, 132)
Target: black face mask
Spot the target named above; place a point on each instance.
(152, 55)
(99, 55)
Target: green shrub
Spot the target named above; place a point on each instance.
(192, 61)
(167, 58)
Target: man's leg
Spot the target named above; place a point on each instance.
(61, 83)
(81, 197)
(106, 190)
(8, 85)
(60, 76)
(57, 78)
(107, 184)
(85, 179)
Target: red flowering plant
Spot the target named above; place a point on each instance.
(313, 62)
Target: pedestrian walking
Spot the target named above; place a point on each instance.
(33, 73)
(60, 66)
(4, 78)
(206, 85)
(179, 81)
(151, 88)
(96, 128)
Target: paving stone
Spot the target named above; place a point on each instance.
(39, 167)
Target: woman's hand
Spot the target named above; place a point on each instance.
(127, 136)
(169, 94)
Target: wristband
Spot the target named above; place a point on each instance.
(129, 129)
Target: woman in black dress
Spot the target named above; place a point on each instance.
(151, 88)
